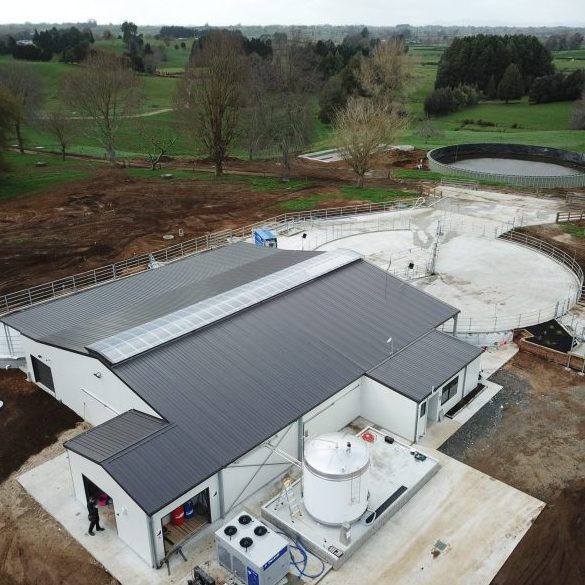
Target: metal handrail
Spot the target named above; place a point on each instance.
(130, 266)
(536, 316)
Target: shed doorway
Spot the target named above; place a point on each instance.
(186, 520)
(433, 408)
(105, 504)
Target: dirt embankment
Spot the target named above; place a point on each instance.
(34, 549)
(556, 235)
(531, 435)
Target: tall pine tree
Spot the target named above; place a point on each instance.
(511, 86)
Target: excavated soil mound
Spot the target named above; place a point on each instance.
(553, 550)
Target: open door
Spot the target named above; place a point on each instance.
(186, 520)
(105, 503)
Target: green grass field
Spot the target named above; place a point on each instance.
(546, 124)
(24, 177)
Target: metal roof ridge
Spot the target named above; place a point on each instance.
(150, 437)
(393, 355)
(130, 343)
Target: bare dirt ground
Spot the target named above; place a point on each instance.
(531, 435)
(87, 224)
(34, 549)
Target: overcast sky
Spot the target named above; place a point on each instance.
(372, 12)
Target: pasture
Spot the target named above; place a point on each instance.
(546, 124)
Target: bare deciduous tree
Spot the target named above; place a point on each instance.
(366, 124)
(427, 129)
(210, 95)
(105, 90)
(362, 128)
(255, 136)
(60, 127)
(24, 87)
(291, 120)
(157, 142)
(385, 74)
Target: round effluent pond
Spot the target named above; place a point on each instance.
(516, 164)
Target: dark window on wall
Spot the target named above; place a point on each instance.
(423, 409)
(42, 373)
(449, 390)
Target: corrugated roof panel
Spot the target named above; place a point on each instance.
(186, 320)
(77, 320)
(231, 386)
(426, 364)
(115, 435)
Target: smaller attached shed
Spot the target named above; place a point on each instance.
(427, 379)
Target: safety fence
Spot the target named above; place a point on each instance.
(137, 264)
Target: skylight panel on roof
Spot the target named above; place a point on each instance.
(139, 339)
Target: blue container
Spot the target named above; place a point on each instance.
(189, 509)
(265, 238)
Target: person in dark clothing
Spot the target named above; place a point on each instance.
(93, 515)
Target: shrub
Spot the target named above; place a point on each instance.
(446, 100)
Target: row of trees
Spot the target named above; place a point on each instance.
(564, 42)
(495, 67)
(225, 98)
(482, 60)
(220, 84)
(559, 87)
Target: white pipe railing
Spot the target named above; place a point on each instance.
(130, 266)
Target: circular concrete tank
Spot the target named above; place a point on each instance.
(516, 164)
(335, 478)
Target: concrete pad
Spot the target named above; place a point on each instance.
(488, 279)
(479, 519)
(498, 285)
(51, 486)
(496, 357)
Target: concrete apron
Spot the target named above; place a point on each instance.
(479, 519)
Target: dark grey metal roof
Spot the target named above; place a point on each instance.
(426, 364)
(231, 386)
(113, 436)
(228, 387)
(78, 320)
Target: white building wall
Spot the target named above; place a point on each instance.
(10, 342)
(472, 375)
(132, 523)
(257, 468)
(447, 406)
(335, 413)
(387, 408)
(94, 398)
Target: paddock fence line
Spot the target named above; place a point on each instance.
(130, 266)
(571, 215)
(576, 199)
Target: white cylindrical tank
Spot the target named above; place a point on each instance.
(335, 478)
